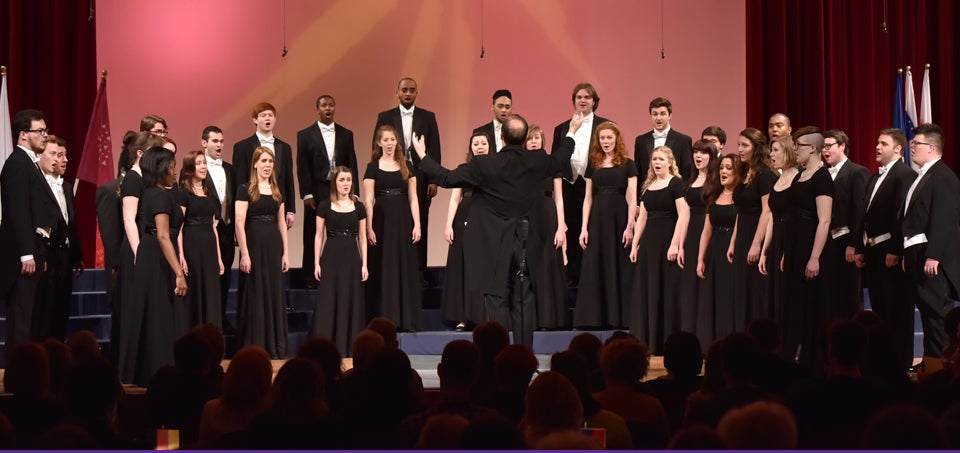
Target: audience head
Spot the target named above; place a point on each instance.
(247, 380)
(387, 329)
(585, 98)
(443, 432)
(191, 354)
(213, 336)
(493, 433)
(846, 344)
(739, 357)
(326, 354)
(904, 427)
(696, 437)
(514, 130)
(761, 425)
(587, 345)
(458, 364)
(779, 126)
(93, 390)
(766, 333)
(682, 355)
(571, 439)
(575, 369)
(514, 367)
(551, 405)
(620, 335)
(624, 362)
(298, 389)
(60, 359)
(365, 346)
(28, 371)
(712, 376)
(83, 345)
(490, 337)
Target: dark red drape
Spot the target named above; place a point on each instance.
(51, 54)
(831, 63)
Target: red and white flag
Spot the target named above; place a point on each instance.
(96, 161)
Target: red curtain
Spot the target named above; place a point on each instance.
(833, 64)
(51, 54)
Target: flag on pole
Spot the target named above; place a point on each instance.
(6, 129)
(899, 116)
(96, 161)
(926, 111)
(909, 104)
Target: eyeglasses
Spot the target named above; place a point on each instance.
(160, 132)
(39, 131)
(829, 145)
(915, 143)
(801, 145)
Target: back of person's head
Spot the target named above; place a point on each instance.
(492, 433)
(766, 332)
(574, 368)
(550, 405)
(443, 432)
(950, 421)
(514, 367)
(93, 389)
(571, 439)
(696, 437)
(739, 356)
(514, 130)
(60, 358)
(191, 354)
(682, 354)
(83, 345)
(712, 376)
(298, 388)
(846, 343)
(247, 380)
(366, 344)
(388, 386)
(490, 337)
(68, 436)
(458, 364)
(7, 437)
(761, 425)
(904, 427)
(213, 335)
(620, 335)
(624, 361)
(387, 329)
(588, 346)
(28, 371)
(325, 352)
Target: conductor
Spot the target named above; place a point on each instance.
(507, 190)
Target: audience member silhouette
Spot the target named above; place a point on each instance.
(574, 368)
(761, 425)
(683, 359)
(226, 420)
(904, 427)
(513, 369)
(490, 337)
(551, 405)
(588, 346)
(324, 352)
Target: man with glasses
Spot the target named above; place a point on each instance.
(880, 246)
(29, 213)
(849, 186)
(154, 125)
(931, 236)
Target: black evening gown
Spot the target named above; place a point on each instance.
(550, 281)
(128, 309)
(200, 251)
(715, 313)
(458, 304)
(339, 313)
(606, 274)
(689, 281)
(394, 288)
(656, 284)
(750, 290)
(805, 310)
(164, 318)
(261, 314)
(781, 214)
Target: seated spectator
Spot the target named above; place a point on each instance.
(513, 369)
(217, 346)
(880, 363)
(297, 417)
(951, 324)
(574, 368)
(381, 394)
(588, 346)
(30, 410)
(738, 359)
(683, 359)
(443, 432)
(712, 381)
(696, 437)
(551, 405)
(760, 425)
(387, 329)
(83, 345)
(774, 373)
(225, 420)
(625, 363)
(490, 337)
(904, 427)
(325, 353)
(493, 434)
(568, 440)
(60, 359)
(92, 396)
(950, 421)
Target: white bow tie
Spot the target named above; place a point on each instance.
(264, 141)
(325, 128)
(660, 134)
(56, 182)
(214, 162)
(406, 113)
(833, 170)
(883, 170)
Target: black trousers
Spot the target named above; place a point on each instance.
(573, 195)
(931, 297)
(517, 311)
(228, 251)
(21, 301)
(889, 290)
(52, 312)
(842, 280)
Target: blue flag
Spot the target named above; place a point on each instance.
(899, 116)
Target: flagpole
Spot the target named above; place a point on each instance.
(3, 71)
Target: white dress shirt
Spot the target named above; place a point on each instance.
(268, 142)
(923, 171)
(834, 170)
(883, 174)
(219, 178)
(660, 138)
(581, 152)
(329, 139)
(406, 121)
(497, 136)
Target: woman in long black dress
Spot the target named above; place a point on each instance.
(340, 265)
(160, 282)
(811, 196)
(609, 209)
(753, 213)
(199, 242)
(784, 159)
(656, 246)
(703, 186)
(715, 311)
(550, 281)
(459, 305)
(128, 309)
(393, 229)
(262, 237)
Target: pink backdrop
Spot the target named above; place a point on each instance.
(201, 62)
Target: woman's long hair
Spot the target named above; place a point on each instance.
(651, 176)
(619, 150)
(254, 189)
(759, 158)
(490, 144)
(337, 171)
(189, 170)
(398, 155)
(711, 185)
(155, 165)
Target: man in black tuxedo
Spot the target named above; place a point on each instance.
(507, 192)
(585, 102)
(931, 236)
(878, 252)
(849, 187)
(265, 118)
(221, 180)
(778, 126)
(662, 135)
(29, 211)
(410, 120)
(321, 147)
(502, 108)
